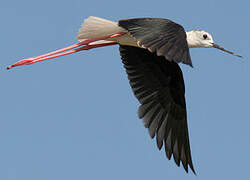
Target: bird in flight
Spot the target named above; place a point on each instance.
(150, 49)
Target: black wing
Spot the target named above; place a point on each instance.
(160, 35)
(158, 85)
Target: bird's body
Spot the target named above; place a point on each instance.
(94, 27)
(151, 49)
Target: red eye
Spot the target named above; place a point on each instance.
(204, 36)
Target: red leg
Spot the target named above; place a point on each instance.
(87, 47)
(68, 50)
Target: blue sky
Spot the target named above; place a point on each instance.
(76, 117)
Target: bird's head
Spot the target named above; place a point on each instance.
(202, 39)
(199, 39)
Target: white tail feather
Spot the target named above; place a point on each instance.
(95, 27)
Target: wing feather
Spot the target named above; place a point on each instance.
(163, 36)
(159, 86)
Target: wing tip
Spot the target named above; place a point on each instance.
(132, 58)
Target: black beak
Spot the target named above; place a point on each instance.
(221, 48)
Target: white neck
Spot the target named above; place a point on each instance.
(191, 40)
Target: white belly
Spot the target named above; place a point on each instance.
(95, 27)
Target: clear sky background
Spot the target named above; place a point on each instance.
(76, 117)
